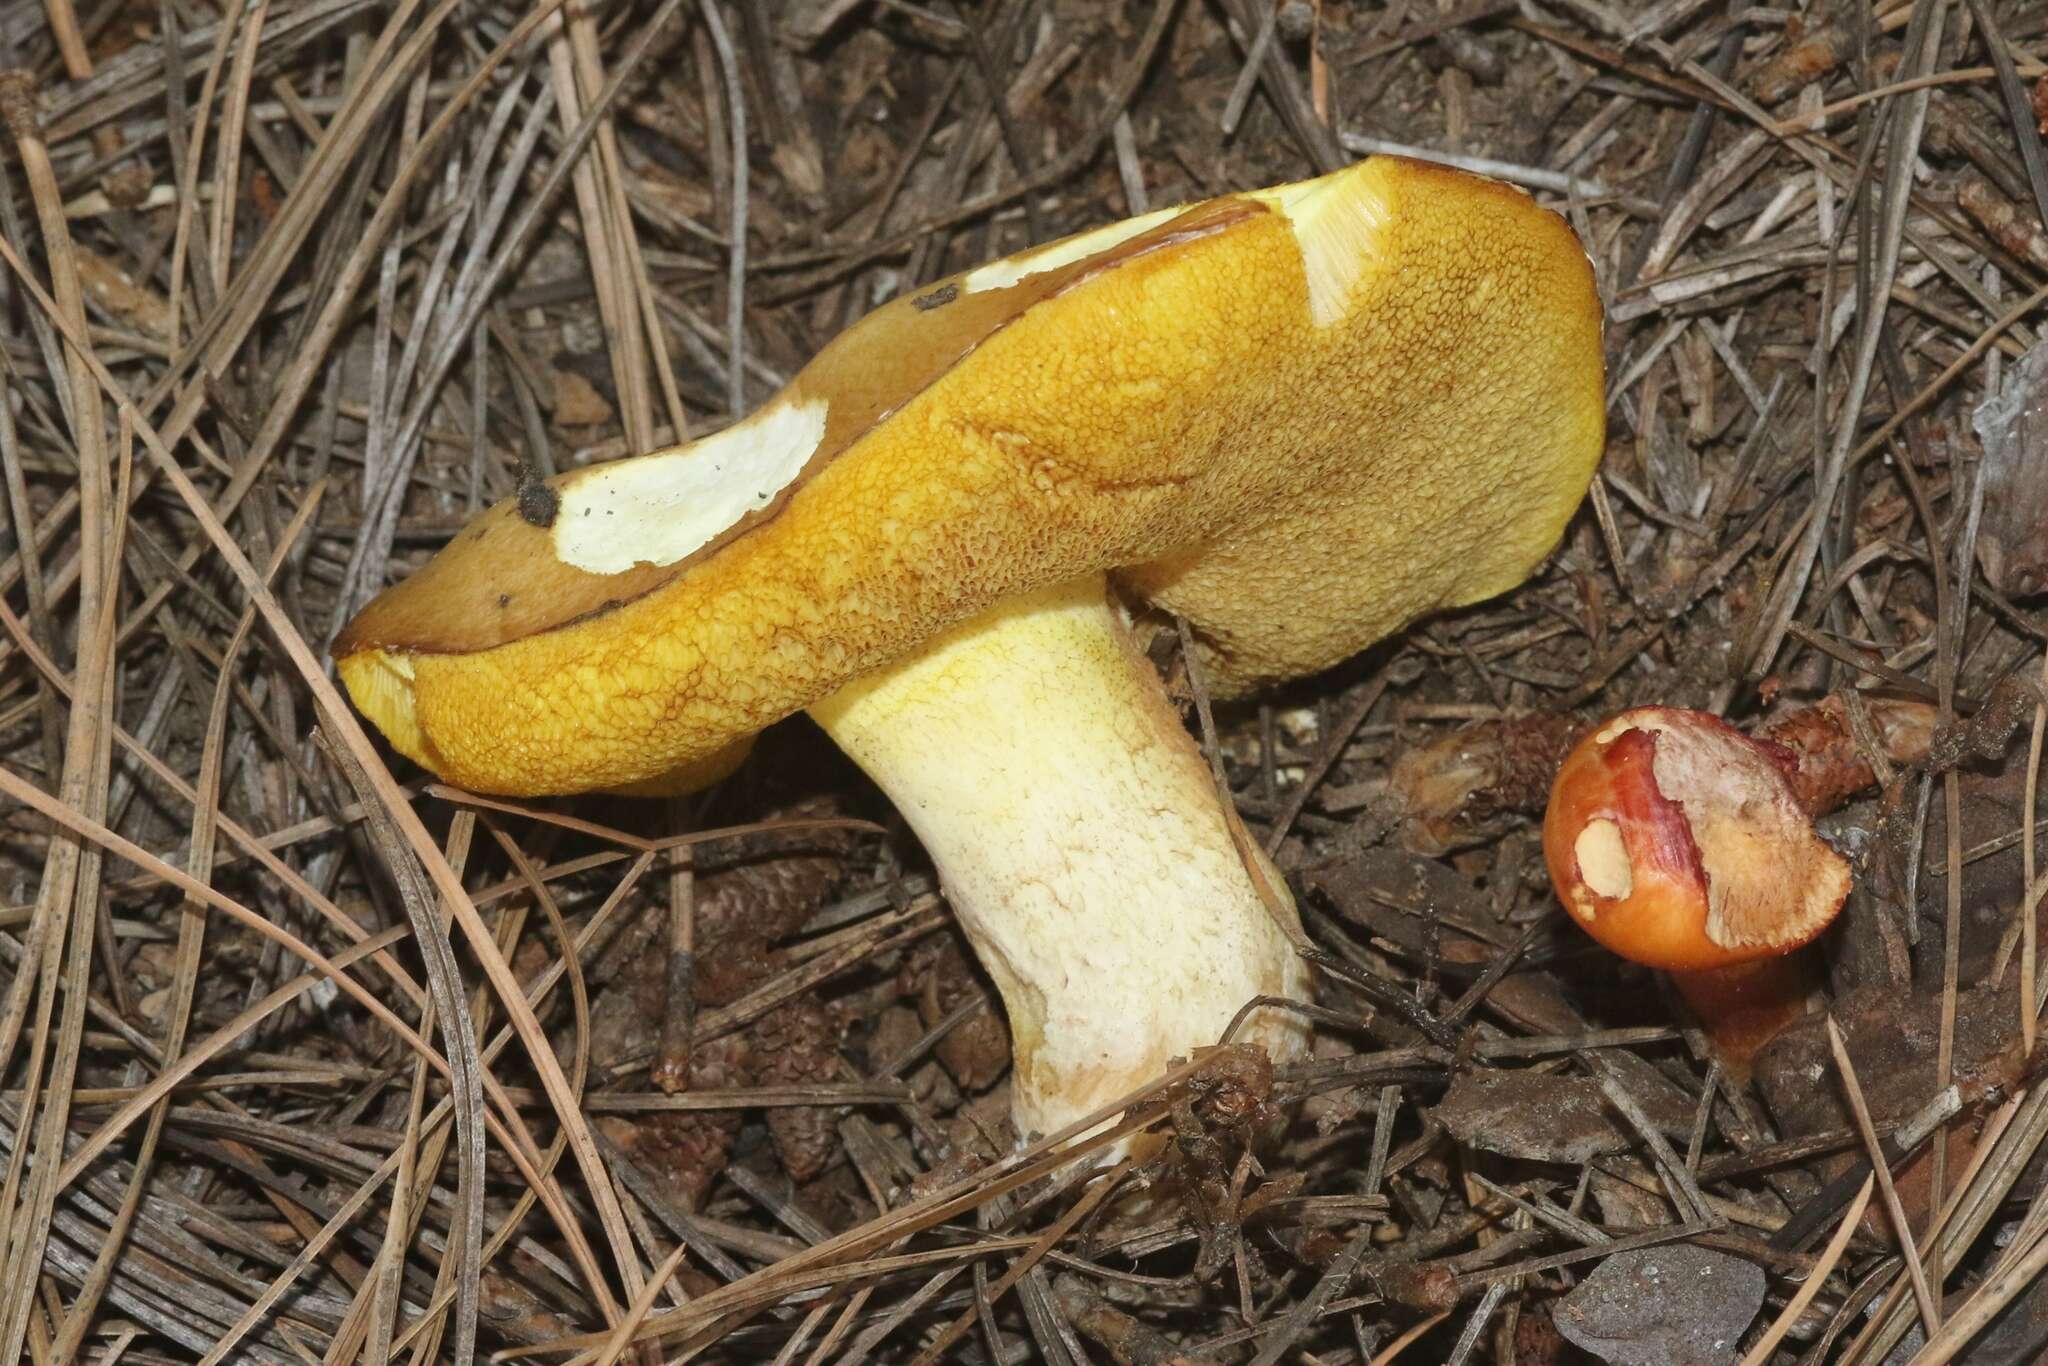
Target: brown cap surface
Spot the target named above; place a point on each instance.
(1301, 417)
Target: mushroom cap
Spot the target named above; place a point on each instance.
(1301, 417)
(1678, 843)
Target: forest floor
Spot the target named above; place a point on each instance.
(290, 291)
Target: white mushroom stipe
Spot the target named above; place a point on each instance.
(661, 507)
(1079, 837)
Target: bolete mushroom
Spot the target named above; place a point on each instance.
(1680, 843)
(1299, 417)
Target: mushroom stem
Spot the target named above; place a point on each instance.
(1079, 836)
(1745, 1006)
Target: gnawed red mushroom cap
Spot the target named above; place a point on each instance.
(1677, 842)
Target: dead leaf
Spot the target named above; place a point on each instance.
(1540, 1116)
(1678, 1305)
(2012, 543)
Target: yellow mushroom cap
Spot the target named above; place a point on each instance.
(1301, 417)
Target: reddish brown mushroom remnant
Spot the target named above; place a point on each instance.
(1680, 843)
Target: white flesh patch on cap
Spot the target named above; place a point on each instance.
(658, 508)
(1603, 861)
(1034, 260)
(1336, 220)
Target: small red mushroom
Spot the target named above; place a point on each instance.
(1679, 843)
